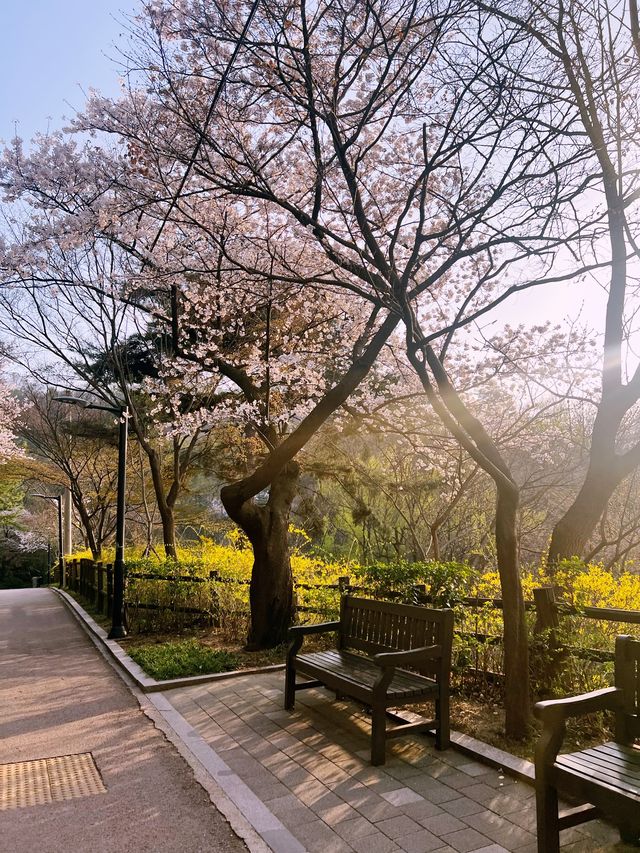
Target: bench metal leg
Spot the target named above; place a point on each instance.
(547, 817)
(289, 687)
(378, 736)
(443, 732)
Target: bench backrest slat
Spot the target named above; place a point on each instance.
(627, 677)
(371, 626)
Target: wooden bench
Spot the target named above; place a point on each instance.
(387, 655)
(607, 777)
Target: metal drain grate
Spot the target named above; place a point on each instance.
(48, 780)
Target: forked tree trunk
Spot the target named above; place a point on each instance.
(516, 650)
(271, 590)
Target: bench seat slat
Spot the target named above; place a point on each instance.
(357, 669)
(613, 768)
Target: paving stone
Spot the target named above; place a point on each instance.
(317, 837)
(464, 806)
(397, 827)
(404, 771)
(525, 819)
(328, 772)
(280, 840)
(500, 803)
(501, 830)
(327, 801)
(493, 848)
(421, 810)
(466, 840)
(420, 842)
(600, 832)
(432, 790)
(473, 769)
(374, 808)
(336, 814)
(352, 791)
(442, 824)
(267, 789)
(455, 778)
(290, 810)
(310, 792)
(376, 779)
(402, 796)
(292, 775)
(374, 844)
(356, 828)
(282, 740)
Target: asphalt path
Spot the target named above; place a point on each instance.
(58, 696)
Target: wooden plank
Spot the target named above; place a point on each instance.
(614, 776)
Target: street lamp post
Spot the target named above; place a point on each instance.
(58, 500)
(118, 629)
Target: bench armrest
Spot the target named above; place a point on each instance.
(298, 632)
(412, 657)
(556, 711)
(319, 628)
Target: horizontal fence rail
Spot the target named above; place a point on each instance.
(183, 599)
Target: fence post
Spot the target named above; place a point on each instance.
(95, 573)
(215, 598)
(418, 593)
(546, 610)
(344, 584)
(99, 587)
(83, 577)
(109, 588)
(547, 622)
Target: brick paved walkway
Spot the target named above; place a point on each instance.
(311, 769)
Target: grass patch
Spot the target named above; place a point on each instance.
(182, 658)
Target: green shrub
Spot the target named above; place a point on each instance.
(181, 659)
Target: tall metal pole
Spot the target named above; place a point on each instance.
(118, 629)
(67, 517)
(63, 579)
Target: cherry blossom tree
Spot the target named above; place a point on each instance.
(592, 60)
(397, 150)
(239, 347)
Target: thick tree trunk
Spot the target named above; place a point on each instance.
(165, 507)
(516, 650)
(271, 590)
(605, 472)
(473, 437)
(168, 519)
(92, 543)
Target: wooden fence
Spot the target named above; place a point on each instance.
(189, 599)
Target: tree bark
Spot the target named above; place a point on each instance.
(516, 649)
(473, 437)
(93, 544)
(572, 532)
(165, 508)
(267, 527)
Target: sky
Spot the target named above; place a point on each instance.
(52, 50)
